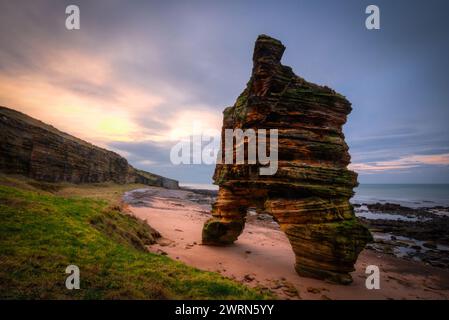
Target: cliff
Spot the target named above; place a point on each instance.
(37, 150)
(309, 193)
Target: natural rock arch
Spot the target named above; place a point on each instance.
(309, 194)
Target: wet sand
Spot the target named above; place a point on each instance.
(262, 256)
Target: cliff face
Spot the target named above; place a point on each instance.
(309, 194)
(34, 149)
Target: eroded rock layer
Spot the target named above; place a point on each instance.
(34, 149)
(309, 194)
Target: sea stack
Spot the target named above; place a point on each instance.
(309, 193)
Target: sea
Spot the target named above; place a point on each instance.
(409, 195)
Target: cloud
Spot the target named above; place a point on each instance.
(87, 103)
(408, 162)
(138, 74)
(111, 81)
(83, 94)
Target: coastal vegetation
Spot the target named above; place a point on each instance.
(48, 226)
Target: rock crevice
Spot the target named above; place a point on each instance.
(309, 194)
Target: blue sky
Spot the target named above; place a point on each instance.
(138, 73)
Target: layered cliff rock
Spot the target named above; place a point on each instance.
(309, 194)
(34, 149)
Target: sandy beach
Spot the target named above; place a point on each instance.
(262, 256)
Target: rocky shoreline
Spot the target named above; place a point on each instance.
(419, 234)
(262, 257)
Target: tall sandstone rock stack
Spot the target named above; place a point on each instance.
(309, 194)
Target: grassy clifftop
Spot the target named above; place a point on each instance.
(42, 232)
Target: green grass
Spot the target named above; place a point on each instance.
(42, 233)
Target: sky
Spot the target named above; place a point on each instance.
(138, 75)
